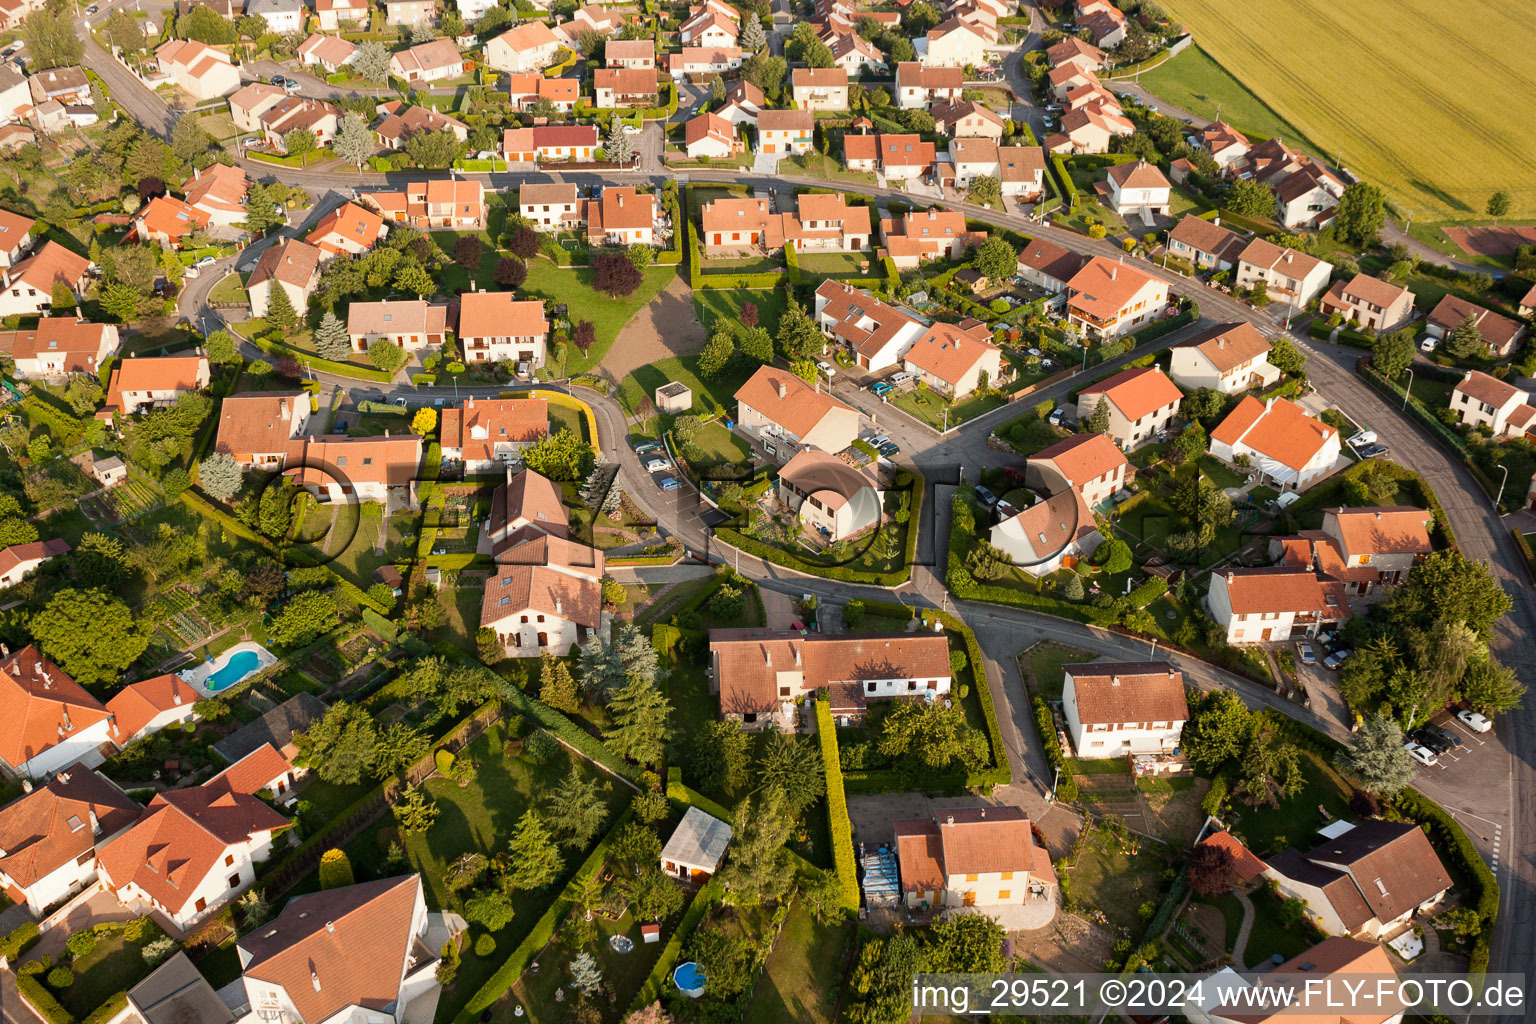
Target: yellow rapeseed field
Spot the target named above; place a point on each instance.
(1433, 101)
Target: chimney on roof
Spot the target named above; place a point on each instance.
(559, 607)
(951, 819)
(314, 979)
(1114, 680)
(1216, 220)
(1113, 267)
(780, 387)
(1269, 403)
(797, 653)
(1221, 342)
(95, 825)
(64, 778)
(330, 926)
(282, 408)
(1288, 255)
(767, 657)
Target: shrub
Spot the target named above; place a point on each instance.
(21, 939)
(335, 869)
(542, 748)
(838, 825)
(853, 613)
(81, 943)
(61, 977)
(485, 945)
(444, 760)
(157, 950)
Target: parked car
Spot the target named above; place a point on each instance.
(878, 440)
(890, 449)
(400, 402)
(828, 369)
(657, 465)
(291, 86)
(1372, 451)
(671, 483)
(1015, 474)
(646, 447)
(986, 497)
(898, 379)
(1307, 655)
(1058, 417)
(880, 389)
(1429, 741)
(279, 81)
(1451, 740)
(91, 10)
(1429, 344)
(1419, 754)
(1364, 437)
(1474, 721)
(206, 261)
(1337, 658)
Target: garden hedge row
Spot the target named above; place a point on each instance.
(767, 553)
(1453, 845)
(983, 694)
(1045, 724)
(567, 731)
(656, 982)
(792, 262)
(838, 826)
(314, 362)
(1064, 182)
(33, 991)
(22, 938)
(197, 503)
(543, 930)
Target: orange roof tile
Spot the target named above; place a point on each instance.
(1228, 345)
(1281, 431)
(349, 223)
(1116, 693)
(1138, 392)
(1105, 287)
(532, 498)
(749, 661)
(787, 400)
(1385, 530)
(1247, 866)
(499, 315)
(60, 822)
(479, 425)
(522, 588)
(949, 353)
(137, 704)
(260, 424)
(1278, 589)
(1082, 457)
(42, 705)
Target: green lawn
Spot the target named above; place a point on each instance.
(818, 166)
(931, 408)
(1293, 823)
(1117, 882)
(836, 264)
(1194, 82)
(800, 979)
(573, 287)
(1041, 667)
(721, 447)
(713, 303)
(229, 291)
(626, 972)
(741, 264)
(114, 965)
(563, 417)
(1270, 937)
(709, 397)
(1219, 474)
(1231, 916)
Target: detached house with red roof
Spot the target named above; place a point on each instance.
(546, 593)
(1291, 450)
(1273, 605)
(329, 52)
(1228, 358)
(148, 706)
(15, 236)
(140, 382)
(785, 132)
(1142, 402)
(1501, 334)
(550, 143)
(622, 216)
(953, 358)
(783, 413)
(710, 135)
(19, 561)
(1090, 464)
(219, 194)
(898, 157)
(550, 207)
(1115, 709)
(349, 230)
(340, 468)
(820, 88)
(760, 674)
(1288, 276)
(1481, 400)
(624, 87)
(1049, 534)
(1136, 190)
(50, 721)
(412, 324)
(291, 265)
(873, 333)
(929, 235)
(494, 326)
(258, 430)
(917, 86)
(977, 857)
(487, 433)
(428, 62)
(437, 204)
(168, 220)
(61, 344)
(1205, 244)
(27, 287)
(831, 498)
(1108, 298)
(194, 850)
(820, 223)
(48, 838)
(202, 71)
(1370, 302)
(366, 952)
(1363, 548)
(530, 46)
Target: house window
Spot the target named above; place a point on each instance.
(970, 878)
(234, 881)
(870, 687)
(229, 860)
(200, 906)
(1003, 894)
(1007, 876)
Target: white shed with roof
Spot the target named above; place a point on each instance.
(697, 846)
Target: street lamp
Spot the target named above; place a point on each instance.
(1154, 648)
(1502, 481)
(1409, 388)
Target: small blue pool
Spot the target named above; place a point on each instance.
(689, 977)
(239, 665)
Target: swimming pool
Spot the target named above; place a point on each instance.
(689, 977)
(235, 668)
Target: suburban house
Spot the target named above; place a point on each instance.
(1367, 880)
(1067, 78)
(349, 230)
(853, 53)
(1124, 708)
(218, 193)
(919, 85)
(1479, 400)
(1090, 464)
(336, 14)
(833, 499)
(175, 993)
(953, 359)
(1225, 144)
(1291, 450)
(1021, 172)
(149, 705)
(622, 216)
(972, 857)
(898, 157)
(712, 23)
(487, 433)
(167, 220)
(291, 265)
(251, 101)
(67, 85)
(1527, 305)
(820, 88)
(27, 287)
(298, 113)
(282, 16)
(694, 61)
(624, 87)
(1333, 965)
(1135, 190)
(545, 594)
(967, 119)
(1141, 404)
(1228, 358)
(196, 849)
(783, 413)
(1104, 21)
(972, 157)
(1047, 265)
(552, 142)
(1049, 534)
(1370, 302)
(711, 136)
(759, 674)
(402, 121)
(48, 837)
(550, 207)
(1090, 129)
(412, 324)
(62, 344)
(51, 721)
(1205, 244)
(743, 101)
(329, 52)
(1073, 50)
(15, 237)
(1108, 298)
(349, 470)
(19, 561)
(140, 381)
(931, 234)
(954, 44)
(451, 203)
(822, 223)
(494, 326)
(365, 952)
(257, 429)
(696, 847)
(410, 13)
(1307, 197)
(527, 89)
(785, 132)
(874, 334)
(202, 71)
(530, 46)
(1499, 333)
(1363, 548)
(630, 53)
(428, 62)
(1276, 604)
(15, 91)
(1289, 276)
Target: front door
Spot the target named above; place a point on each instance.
(1266, 634)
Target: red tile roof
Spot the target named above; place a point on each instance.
(59, 822)
(1082, 457)
(520, 588)
(349, 223)
(171, 217)
(1138, 392)
(1280, 589)
(1105, 287)
(1117, 693)
(137, 704)
(965, 841)
(1281, 431)
(479, 425)
(1228, 345)
(1244, 863)
(500, 315)
(1385, 530)
(37, 550)
(42, 705)
(787, 400)
(749, 661)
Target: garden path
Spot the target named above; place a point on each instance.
(1243, 931)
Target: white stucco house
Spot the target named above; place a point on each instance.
(1114, 709)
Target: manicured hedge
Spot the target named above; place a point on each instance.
(22, 938)
(792, 262)
(231, 525)
(314, 362)
(1064, 182)
(983, 693)
(380, 625)
(564, 729)
(33, 991)
(838, 826)
(1452, 844)
(543, 930)
(751, 546)
(1045, 724)
(1524, 547)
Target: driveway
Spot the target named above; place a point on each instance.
(312, 85)
(664, 329)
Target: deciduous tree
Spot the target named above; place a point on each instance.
(89, 634)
